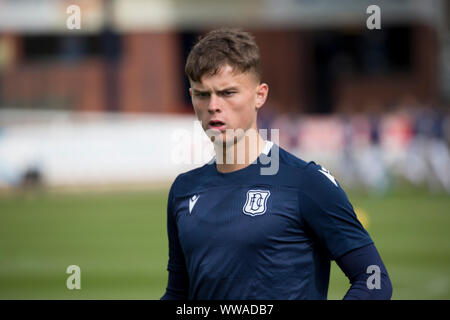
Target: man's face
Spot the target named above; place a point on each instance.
(227, 100)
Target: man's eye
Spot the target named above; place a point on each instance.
(202, 94)
(228, 93)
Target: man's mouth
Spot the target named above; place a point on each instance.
(217, 125)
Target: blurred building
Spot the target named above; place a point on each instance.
(318, 56)
(362, 102)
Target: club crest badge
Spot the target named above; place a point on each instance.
(256, 202)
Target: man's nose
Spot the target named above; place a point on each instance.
(213, 105)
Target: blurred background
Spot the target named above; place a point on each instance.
(93, 122)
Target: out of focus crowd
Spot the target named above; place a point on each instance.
(408, 145)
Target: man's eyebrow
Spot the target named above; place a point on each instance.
(232, 88)
(199, 90)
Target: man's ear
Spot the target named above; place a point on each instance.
(261, 95)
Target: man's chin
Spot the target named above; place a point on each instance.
(229, 137)
(223, 140)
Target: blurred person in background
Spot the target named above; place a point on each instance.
(373, 166)
(236, 233)
(427, 155)
(430, 145)
(348, 164)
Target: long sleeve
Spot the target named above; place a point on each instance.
(367, 274)
(327, 211)
(178, 279)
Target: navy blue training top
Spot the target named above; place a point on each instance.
(247, 235)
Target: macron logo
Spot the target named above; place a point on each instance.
(192, 202)
(327, 174)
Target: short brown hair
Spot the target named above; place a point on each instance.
(223, 46)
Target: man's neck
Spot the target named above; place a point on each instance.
(238, 155)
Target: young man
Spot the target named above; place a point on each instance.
(236, 232)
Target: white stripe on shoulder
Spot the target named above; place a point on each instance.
(267, 147)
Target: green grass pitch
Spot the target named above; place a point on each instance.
(119, 241)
